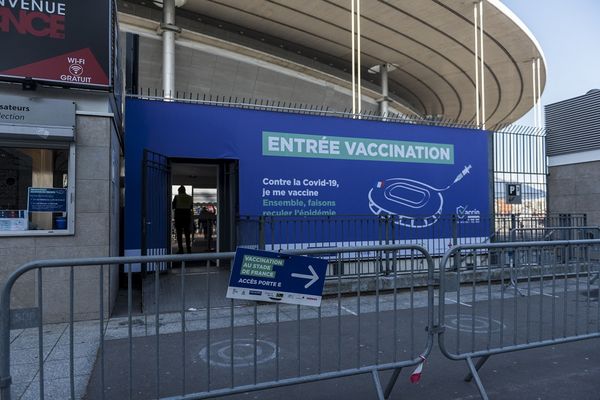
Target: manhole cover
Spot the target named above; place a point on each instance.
(468, 323)
(242, 350)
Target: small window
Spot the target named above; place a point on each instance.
(35, 189)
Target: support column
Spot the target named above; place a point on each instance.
(353, 33)
(356, 53)
(168, 30)
(539, 92)
(476, 52)
(480, 114)
(358, 62)
(482, 64)
(536, 92)
(383, 105)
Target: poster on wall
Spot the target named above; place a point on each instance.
(13, 220)
(47, 199)
(419, 181)
(67, 42)
(408, 179)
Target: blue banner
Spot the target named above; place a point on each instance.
(319, 175)
(299, 166)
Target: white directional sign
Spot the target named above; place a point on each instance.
(313, 277)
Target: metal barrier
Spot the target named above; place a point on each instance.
(556, 233)
(295, 233)
(509, 297)
(436, 234)
(214, 347)
(520, 296)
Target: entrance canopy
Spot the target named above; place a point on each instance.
(431, 45)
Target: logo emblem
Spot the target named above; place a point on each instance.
(460, 212)
(468, 216)
(75, 69)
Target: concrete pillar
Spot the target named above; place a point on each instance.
(383, 105)
(169, 29)
(482, 64)
(476, 53)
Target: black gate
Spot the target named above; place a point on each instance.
(156, 207)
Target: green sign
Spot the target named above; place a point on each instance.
(349, 148)
(258, 266)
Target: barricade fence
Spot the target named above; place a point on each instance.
(209, 346)
(519, 296)
(493, 298)
(293, 233)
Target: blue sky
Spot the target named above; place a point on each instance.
(569, 33)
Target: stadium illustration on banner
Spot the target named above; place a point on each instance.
(415, 203)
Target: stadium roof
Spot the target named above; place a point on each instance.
(430, 42)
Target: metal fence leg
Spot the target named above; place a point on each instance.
(5, 388)
(479, 364)
(378, 387)
(475, 375)
(387, 241)
(456, 258)
(513, 282)
(5, 378)
(392, 382)
(261, 233)
(512, 257)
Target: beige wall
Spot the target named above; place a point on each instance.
(96, 233)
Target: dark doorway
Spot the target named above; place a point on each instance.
(213, 186)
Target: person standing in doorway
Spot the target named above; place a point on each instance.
(182, 206)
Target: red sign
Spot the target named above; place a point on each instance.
(64, 41)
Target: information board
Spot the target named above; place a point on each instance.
(275, 277)
(47, 200)
(13, 220)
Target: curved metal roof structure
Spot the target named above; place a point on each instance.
(430, 42)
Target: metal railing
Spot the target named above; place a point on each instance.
(320, 110)
(294, 233)
(518, 151)
(242, 346)
(533, 294)
(522, 295)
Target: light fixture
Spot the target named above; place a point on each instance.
(377, 68)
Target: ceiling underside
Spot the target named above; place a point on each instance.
(431, 43)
